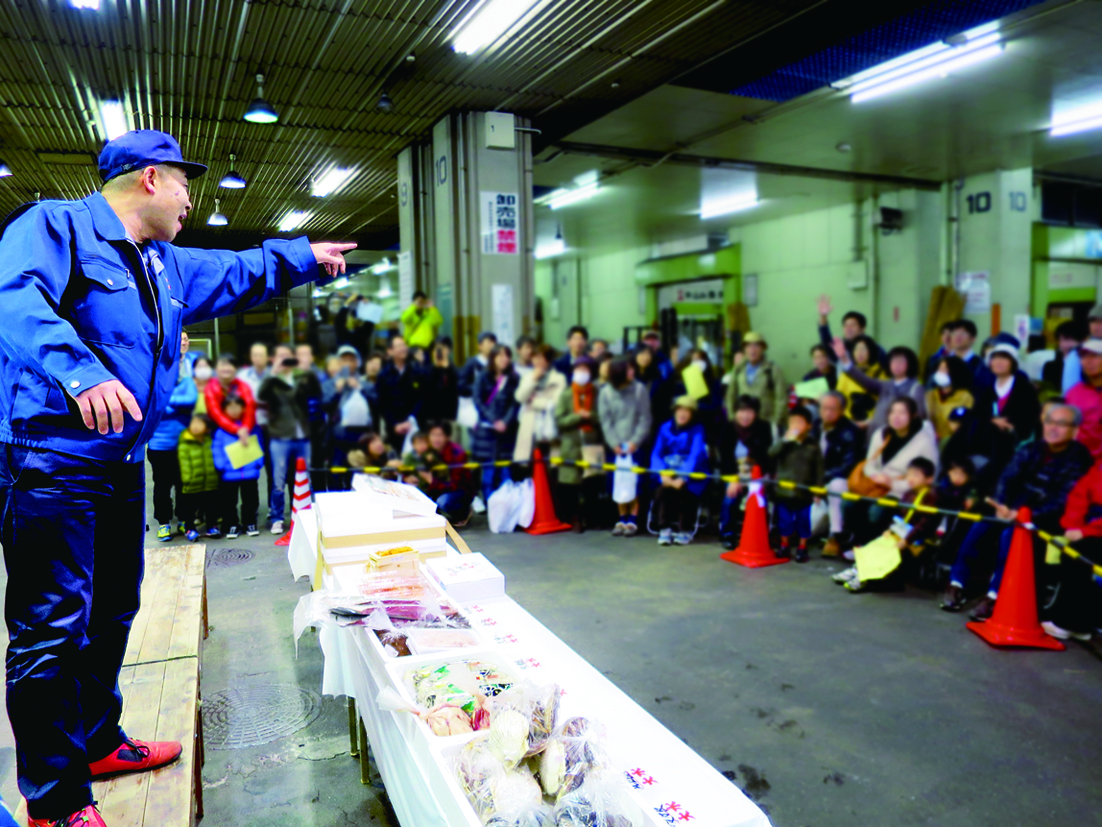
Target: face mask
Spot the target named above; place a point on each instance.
(203, 373)
(699, 364)
(581, 377)
(941, 380)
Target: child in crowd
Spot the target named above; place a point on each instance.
(911, 530)
(679, 446)
(798, 460)
(375, 453)
(746, 443)
(199, 486)
(423, 458)
(957, 489)
(240, 482)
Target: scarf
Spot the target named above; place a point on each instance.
(584, 397)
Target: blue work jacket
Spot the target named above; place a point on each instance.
(81, 306)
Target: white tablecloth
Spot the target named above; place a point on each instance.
(671, 782)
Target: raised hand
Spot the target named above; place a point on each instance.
(824, 306)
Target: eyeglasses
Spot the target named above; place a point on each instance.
(1062, 423)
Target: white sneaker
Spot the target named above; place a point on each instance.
(849, 555)
(277, 527)
(665, 537)
(1052, 630)
(630, 529)
(618, 529)
(682, 538)
(479, 505)
(844, 576)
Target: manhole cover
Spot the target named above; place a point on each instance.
(254, 715)
(229, 556)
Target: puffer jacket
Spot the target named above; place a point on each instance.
(681, 449)
(197, 469)
(176, 417)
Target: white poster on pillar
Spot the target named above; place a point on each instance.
(500, 223)
(501, 304)
(405, 279)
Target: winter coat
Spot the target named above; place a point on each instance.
(289, 405)
(441, 401)
(400, 393)
(922, 444)
(572, 436)
(757, 441)
(197, 470)
(769, 387)
(1089, 402)
(455, 479)
(923, 524)
(534, 397)
(682, 449)
(177, 416)
(1037, 478)
(469, 374)
(486, 443)
(859, 403)
(1022, 407)
(888, 391)
(986, 446)
(1084, 508)
(798, 461)
(938, 408)
(625, 414)
(214, 395)
(420, 325)
(845, 446)
(222, 440)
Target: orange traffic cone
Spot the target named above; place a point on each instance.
(1014, 622)
(302, 498)
(753, 549)
(544, 521)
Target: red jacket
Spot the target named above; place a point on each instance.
(1084, 507)
(458, 479)
(214, 395)
(1088, 400)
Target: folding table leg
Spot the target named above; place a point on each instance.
(353, 729)
(365, 756)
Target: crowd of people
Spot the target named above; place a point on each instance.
(967, 430)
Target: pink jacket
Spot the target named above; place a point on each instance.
(1088, 400)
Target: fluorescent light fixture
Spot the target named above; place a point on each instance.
(341, 283)
(1079, 119)
(382, 267)
(551, 249)
(565, 198)
(935, 60)
(492, 19)
(216, 218)
(5, 170)
(331, 182)
(385, 292)
(292, 221)
(231, 180)
(85, 4)
(113, 119)
(260, 111)
(724, 206)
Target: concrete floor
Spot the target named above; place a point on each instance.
(829, 709)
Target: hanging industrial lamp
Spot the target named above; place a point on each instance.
(216, 218)
(231, 180)
(260, 111)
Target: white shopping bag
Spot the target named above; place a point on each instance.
(467, 416)
(354, 412)
(503, 509)
(625, 483)
(407, 446)
(527, 510)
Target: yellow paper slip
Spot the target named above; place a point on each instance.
(241, 455)
(878, 559)
(812, 389)
(695, 386)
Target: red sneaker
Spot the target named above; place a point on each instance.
(136, 756)
(88, 817)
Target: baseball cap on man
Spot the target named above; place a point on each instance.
(142, 148)
(1091, 346)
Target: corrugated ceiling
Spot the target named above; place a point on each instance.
(189, 69)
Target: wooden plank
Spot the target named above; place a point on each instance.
(173, 595)
(122, 800)
(162, 610)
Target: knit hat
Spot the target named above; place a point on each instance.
(1005, 350)
(1096, 312)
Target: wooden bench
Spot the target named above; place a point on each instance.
(161, 692)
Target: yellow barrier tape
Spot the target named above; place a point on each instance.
(698, 475)
(791, 486)
(887, 503)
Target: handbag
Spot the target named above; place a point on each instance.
(861, 485)
(625, 484)
(595, 456)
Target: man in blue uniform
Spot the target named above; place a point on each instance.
(95, 298)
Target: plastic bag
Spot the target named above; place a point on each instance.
(527, 511)
(625, 483)
(502, 797)
(407, 445)
(545, 428)
(503, 509)
(467, 416)
(602, 799)
(583, 753)
(354, 411)
(538, 705)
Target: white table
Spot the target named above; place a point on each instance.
(671, 782)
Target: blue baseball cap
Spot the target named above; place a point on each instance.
(141, 148)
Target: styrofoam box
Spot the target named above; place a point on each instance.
(348, 514)
(467, 577)
(400, 499)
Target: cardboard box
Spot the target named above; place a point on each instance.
(351, 526)
(467, 577)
